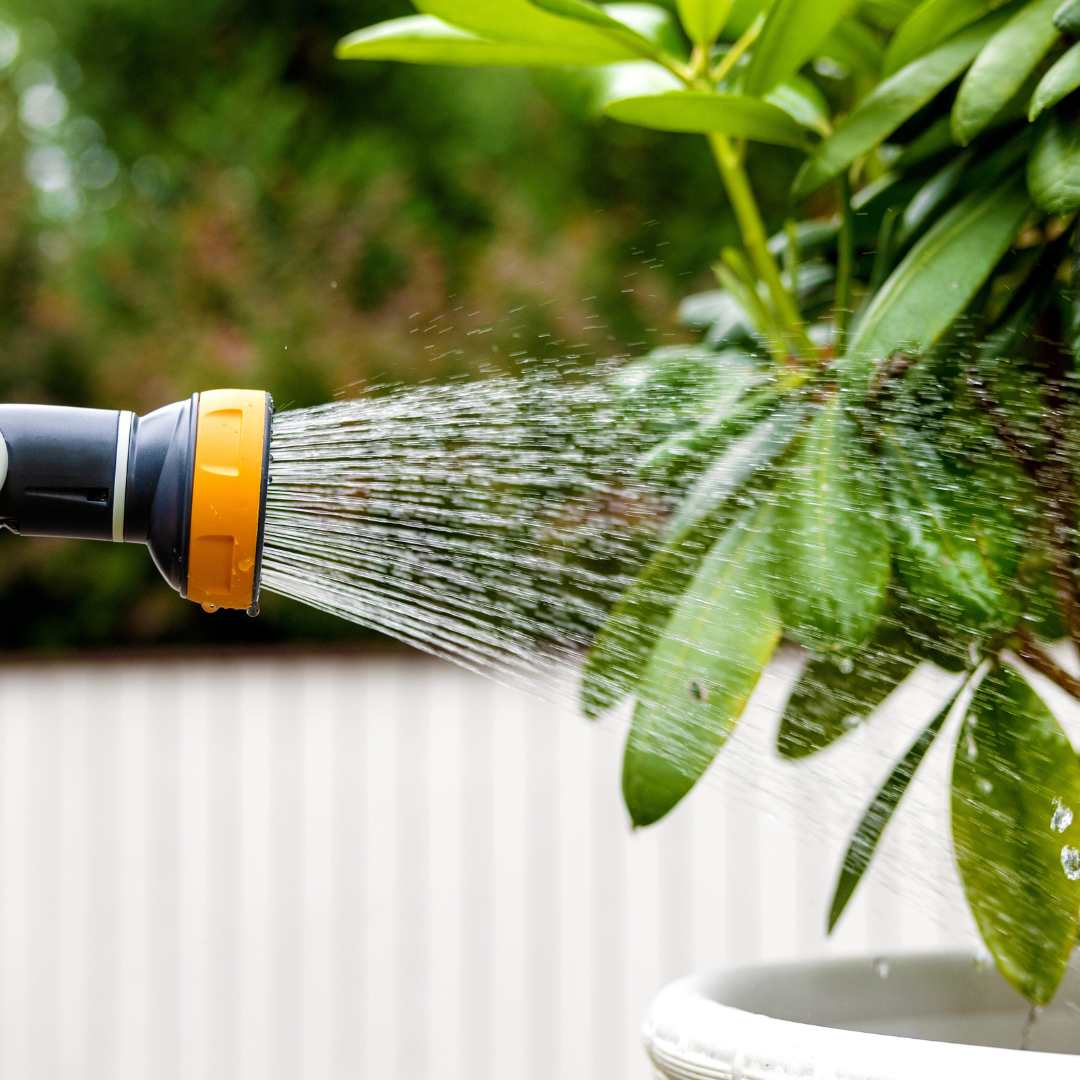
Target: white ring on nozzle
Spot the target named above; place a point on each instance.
(123, 446)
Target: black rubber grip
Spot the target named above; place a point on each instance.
(61, 470)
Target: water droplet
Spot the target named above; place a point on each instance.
(982, 961)
(971, 750)
(1070, 862)
(245, 564)
(698, 690)
(984, 786)
(852, 721)
(846, 665)
(882, 967)
(209, 608)
(1061, 818)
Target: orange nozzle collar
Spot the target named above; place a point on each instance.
(228, 498)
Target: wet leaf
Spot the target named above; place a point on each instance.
(1054, 167)
(521, 22)
(792, 34)
(1002, 67)
(1067, 17)
(892, 102)
(957, 544)
(832, 545)
(1013, 766)
(835, 695)
(704, 19)
(931, 23)
(1061, 80)
(621, 649)
(703, 111)
(879, 813)
(699, 678)
(938, 277)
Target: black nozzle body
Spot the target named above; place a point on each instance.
(101, 475)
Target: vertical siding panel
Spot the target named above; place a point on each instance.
(450, 730)
(257, 945)
(381, 853)
(351, 917)
(317, 715)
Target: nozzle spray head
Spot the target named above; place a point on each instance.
(188, 480)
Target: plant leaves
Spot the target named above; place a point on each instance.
(832, 545)
(930, 24)
(1053, 171)
(520, 21)
(938, 277)
(619, 653)
(892, 102)
(709, 658)
(854, 47)
(835, 695)
(1067, 17)
(584, 11)
(957, 546)
(871, 827)
(793, 32)
(1002, 67)
(803, 102)
(704, 19)
(1013, 766)
(1060, 81)
(703, 112)
(424, 39)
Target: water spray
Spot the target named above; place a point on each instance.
(188, 480)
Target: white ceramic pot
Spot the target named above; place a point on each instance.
(931, 1017)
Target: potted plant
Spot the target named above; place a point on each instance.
(890, 473)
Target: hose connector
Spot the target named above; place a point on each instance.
(188, 480)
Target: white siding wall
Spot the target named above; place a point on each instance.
(350, 867)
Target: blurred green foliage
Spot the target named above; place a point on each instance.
(198, 194)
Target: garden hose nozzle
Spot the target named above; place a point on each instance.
(188, 480)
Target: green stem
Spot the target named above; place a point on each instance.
(844, 267)
(731, 57)
(756, 241)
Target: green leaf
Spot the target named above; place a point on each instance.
(892, 102)
(521, 22)
(1053, 172)
(803, 102)
(793, 32)
(835, 695)
(938, 277)
(704, 19)
(931, 23)
(1067, 17)
(832, 545)
(887, 14)
(1013, 767)
(957, 545)
(701, 675)
(854, 47)
(424, 39)
(584, 11)
(1060, 81)
(1002, 67)
(619, 653)
(871, 827)
(703, 112)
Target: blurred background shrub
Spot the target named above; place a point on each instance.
(197, 194)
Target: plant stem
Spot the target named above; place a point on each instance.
(734, 54)
(1033, 655)
(845, 265)
(756, 242)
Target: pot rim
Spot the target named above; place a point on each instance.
(714, 1026)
